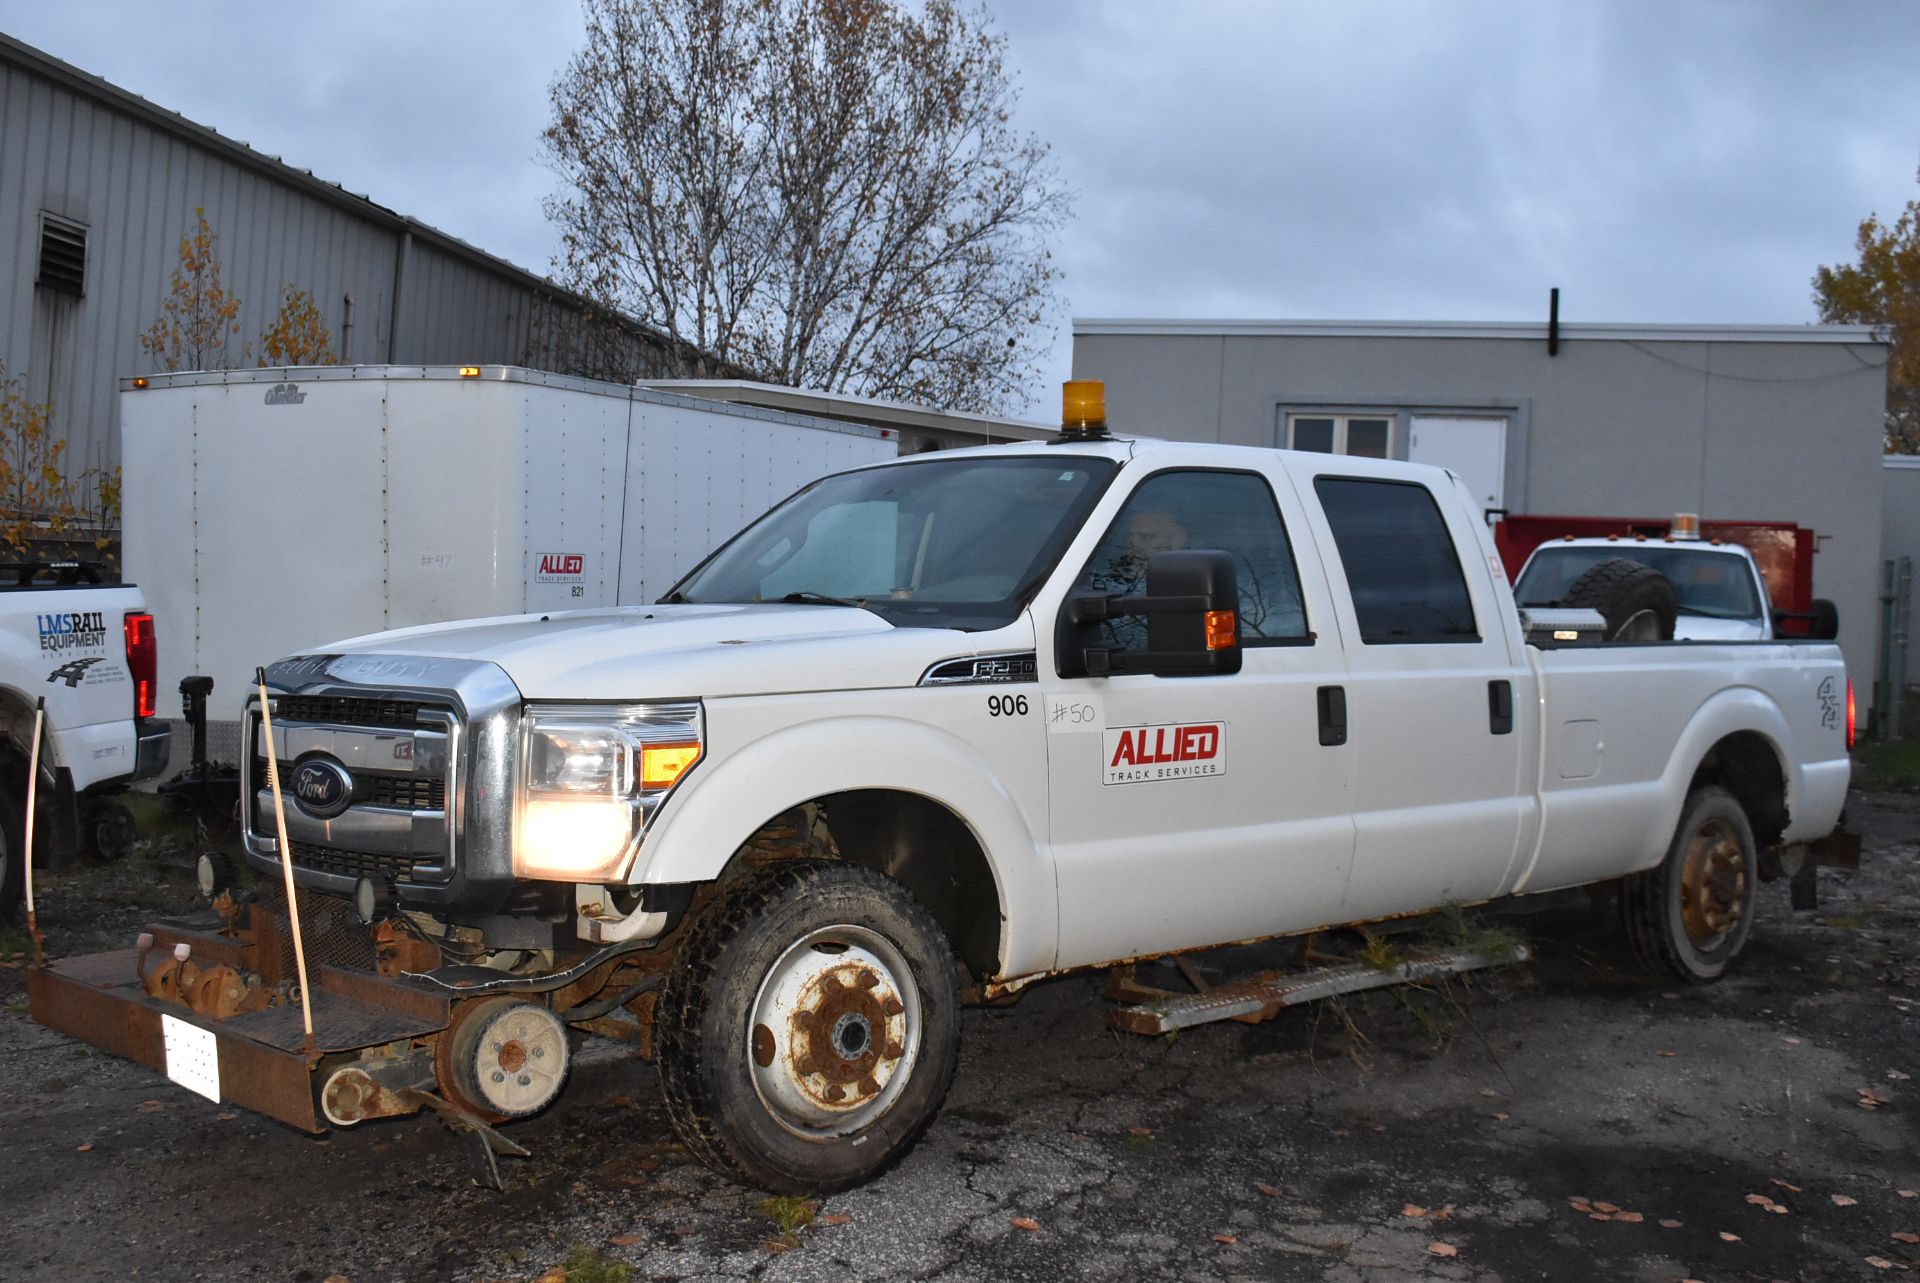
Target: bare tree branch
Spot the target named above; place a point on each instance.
(829, 193)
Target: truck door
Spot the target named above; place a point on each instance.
(1432, 696)
(1197, 810)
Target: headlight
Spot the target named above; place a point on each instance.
(592, 776)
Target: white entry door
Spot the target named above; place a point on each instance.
(1473, 448)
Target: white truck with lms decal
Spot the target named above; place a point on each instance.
(88, 648)
(936, 728)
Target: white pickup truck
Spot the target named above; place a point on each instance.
(939, 727)
(1718, 591)
(88, 649)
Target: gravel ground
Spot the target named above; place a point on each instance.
(1399, 1136)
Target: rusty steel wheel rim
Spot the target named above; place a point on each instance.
(1713, 885)
(835, 1032)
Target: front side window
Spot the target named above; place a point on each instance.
(1233, 512)
(939, 543)
(1401, 567)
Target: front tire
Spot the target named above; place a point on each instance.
(809, 1029)
(1689, 917)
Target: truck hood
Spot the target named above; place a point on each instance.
(663, 652)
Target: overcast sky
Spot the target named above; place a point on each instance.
(1658, 161)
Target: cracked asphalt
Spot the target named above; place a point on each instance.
(1402, 1135)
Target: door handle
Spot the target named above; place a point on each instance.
(1500, 707)
(1333, 715)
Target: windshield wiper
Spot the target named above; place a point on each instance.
(821, 599)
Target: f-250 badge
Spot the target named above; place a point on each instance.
(1829, 705)
(73, 670)
(1141, 754)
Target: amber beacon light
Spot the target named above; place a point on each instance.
(1083, 410)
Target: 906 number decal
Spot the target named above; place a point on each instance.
(1006, 705)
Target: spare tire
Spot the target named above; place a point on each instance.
(1636, 600)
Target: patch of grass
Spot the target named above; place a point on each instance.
(789, 1211)
(1887, 766)
(1476, 933)
(1843, 921)
(1378, 953)
(13, 942)
(590, 1265)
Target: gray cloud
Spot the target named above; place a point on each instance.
(1659, 161)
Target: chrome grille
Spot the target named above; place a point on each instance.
(353, 864)
(401, 755)
(348, 710)
(408, 792)
(428, 747)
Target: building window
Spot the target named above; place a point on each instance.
(63, 255)
(1369, 436)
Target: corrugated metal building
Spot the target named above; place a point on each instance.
(97, 187)
(1754, 423)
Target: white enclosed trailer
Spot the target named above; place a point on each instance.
(269, 511)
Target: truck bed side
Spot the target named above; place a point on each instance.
(1625, 728)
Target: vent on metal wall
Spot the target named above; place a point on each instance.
(63, 255)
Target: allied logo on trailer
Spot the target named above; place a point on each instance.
(560, 568)
(75, 630)
(1143, 754)
(321, 787)
(285, 394)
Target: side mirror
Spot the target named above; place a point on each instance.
(1823, 619)
(1192, 627)
(1820, 622)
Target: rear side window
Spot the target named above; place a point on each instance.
(1401, 566)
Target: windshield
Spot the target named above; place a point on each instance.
(1714, 584)
(944, 543)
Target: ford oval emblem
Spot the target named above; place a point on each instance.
(321, 787)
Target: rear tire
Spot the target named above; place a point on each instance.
(1689, 917)
(809, 1029)
(107, 831)
(1637, 601)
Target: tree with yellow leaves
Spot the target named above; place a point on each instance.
(1883, 289)
(198, 315)
(298, 335)
(38, 500)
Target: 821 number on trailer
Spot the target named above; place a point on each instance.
(1006, 705)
